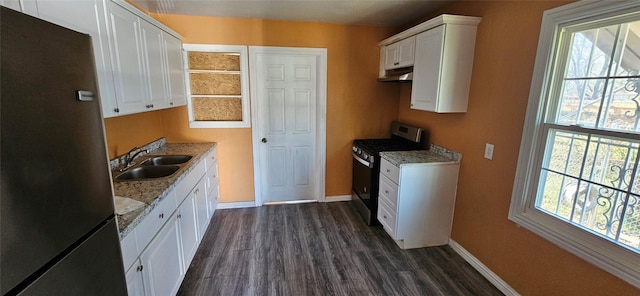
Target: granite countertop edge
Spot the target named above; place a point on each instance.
(435, 155)
(160, 188)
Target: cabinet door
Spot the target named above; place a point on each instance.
(200, 194)
(426, 70)
(162, 261)
(213, 195)
(87, 17)
(391, 56)
(155, 67)
(188, 229)
(13, 4)
(175, 69)
(135, 283)
(406, 50)
(127, 60)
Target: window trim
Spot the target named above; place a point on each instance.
(244, 80)
(601, 252)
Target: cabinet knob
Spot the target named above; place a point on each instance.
(139, 268)
(171, 103)
(117, 110)
(388, 171)
(161, 216)
(386, 191)
(384, 216)
(179, 216)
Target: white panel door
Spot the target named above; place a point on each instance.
(286, 94)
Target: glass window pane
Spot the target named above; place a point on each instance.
(552, 198)
(630, 230)
(567, 152)
(629, 60)
(620, 112)
(610, 162)
(580, 102)
(590, 53)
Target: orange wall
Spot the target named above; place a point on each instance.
(505, 53)
(126, 132)
(354, 97)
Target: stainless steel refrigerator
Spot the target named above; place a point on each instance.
(59, 234)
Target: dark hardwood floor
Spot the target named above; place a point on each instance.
(319, 249)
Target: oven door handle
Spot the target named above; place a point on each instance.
(362, 161)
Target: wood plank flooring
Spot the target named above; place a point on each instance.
(319, 249)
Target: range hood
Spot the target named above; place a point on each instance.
(398, 75)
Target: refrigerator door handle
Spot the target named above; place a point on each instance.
(86, 96)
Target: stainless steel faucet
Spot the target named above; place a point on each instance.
(128, 158)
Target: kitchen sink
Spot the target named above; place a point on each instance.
(166, 160)
(148, 172)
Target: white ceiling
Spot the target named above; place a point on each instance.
(356, 12)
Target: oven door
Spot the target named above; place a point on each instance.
(362, 173)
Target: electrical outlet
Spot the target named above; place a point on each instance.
(488, 151)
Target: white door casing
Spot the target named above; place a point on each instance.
(288, 103)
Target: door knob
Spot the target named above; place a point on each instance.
(264, 140)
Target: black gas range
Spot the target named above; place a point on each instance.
(366, 165)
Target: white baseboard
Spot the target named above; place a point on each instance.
(483, 269)
(337, 198)
(236, 205)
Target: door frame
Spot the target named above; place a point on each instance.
(321, 119)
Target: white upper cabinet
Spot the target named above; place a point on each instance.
(127, 60)
(13, 4)
(155, 66)
(442, 70)
(400, 54)
(147, 62)
(427, 78)
(442, 64)
(138, 60)
(175, 68)
(88, 17)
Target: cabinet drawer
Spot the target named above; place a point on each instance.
(212, 177)
(150, 225)
(211, 158)
(388, 191)
(387, 218)
(391, 171)
(190, 181)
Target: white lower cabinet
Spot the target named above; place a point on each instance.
(162, 261)
(200, 195)
(159, 250)
(416, 202)
(188, 229)
(135, 283)
(213, 191)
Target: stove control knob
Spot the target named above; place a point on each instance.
(366, 156)
(354, 148)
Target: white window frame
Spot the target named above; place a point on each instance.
(244, 81)
(601, 252)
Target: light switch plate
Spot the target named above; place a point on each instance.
(488, 151)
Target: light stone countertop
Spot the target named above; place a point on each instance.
(152, 191)
(434, 154)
